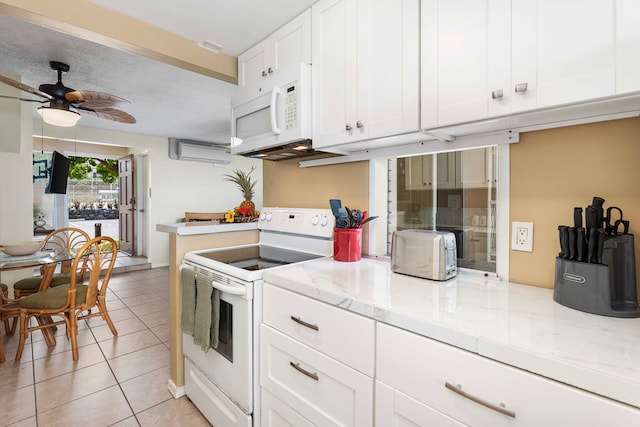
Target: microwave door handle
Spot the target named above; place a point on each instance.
(274, 117)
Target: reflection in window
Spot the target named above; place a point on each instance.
(454, 191)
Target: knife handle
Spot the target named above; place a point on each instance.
(597, 204)
(590, 219)
(580, 241)
(564, 241)
(577, 217)
(561, 254)
(600, 246)
(571, 231)
(591, 248)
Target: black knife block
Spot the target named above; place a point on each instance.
(608, 289)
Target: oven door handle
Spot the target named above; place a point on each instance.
(232, 290)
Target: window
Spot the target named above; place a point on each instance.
(453, 191)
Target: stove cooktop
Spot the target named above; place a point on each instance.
(257, 257)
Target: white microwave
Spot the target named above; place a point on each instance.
(273, 115)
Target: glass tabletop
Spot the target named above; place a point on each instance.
(9, 262)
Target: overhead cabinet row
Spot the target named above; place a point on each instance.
(387, 68)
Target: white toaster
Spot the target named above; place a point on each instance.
(424, 253)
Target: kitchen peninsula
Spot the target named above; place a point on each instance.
(183, 238)
(507, 344)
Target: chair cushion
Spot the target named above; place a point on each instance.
(53, 298)
(32, 283)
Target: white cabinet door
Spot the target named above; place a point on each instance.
(465, 58)
(447, 170)
(287, 47)
(276, 413)
(482, 392)
(365, 69)
(474, 168)
(628, 44)
(418, 175)
(388, 68)
(565, 51)
(321, 389)
(334, 71)
(395, 409)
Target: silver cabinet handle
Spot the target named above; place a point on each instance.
(497, 94)
(359, 124)
(521, 87)
(348, 127)
(269, 70)
(264, 73)
(498, 408)
(303, 323)
(297, 367)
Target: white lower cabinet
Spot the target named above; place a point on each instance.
(477, 391)
(395, 409)
(316, 362)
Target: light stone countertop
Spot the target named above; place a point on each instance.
(191, 228)
(515, 324)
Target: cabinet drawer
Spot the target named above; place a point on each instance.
(336, 332)
(420, 367)
(320, 389)
(276, 413)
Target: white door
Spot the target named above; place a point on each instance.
(627, 42)
(571, 47)
(252, 64)
(334, 72)
(291, 44)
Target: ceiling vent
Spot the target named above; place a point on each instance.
(199, 151)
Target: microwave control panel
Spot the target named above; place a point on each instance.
(290, 106)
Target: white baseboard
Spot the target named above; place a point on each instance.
(176, 392)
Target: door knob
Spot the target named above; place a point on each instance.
(496, 94)
(348, 127)
(521, 87)
(264, 73)
(359, 124)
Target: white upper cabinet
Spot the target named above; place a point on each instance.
(465, 57)
(288, 46)
(628, 44)
(365, 69)
(563, 51)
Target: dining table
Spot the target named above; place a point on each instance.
(47, 260)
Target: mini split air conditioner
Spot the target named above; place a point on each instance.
(198, 151)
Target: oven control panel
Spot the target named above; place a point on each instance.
(313, 222)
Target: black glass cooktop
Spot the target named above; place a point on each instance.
(258, 257)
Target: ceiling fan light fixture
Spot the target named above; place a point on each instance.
(57, 117)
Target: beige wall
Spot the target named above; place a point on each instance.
(553, 171)
(288, 185)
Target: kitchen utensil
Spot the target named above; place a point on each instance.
(342, 220)
(564, 240)
(356, 218)
(597, 204)
(577, 217)
(580, 243)
(590, 217)
(591, 245)
(600, 245)
(611, 224)
(335, 204)
(572, 242)
(562, 248)
(371, 218)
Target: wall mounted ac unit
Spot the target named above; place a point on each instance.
(198, 151)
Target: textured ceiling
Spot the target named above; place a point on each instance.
(165, 100)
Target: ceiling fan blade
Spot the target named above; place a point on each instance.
(21, 86)
(109, 114)
(42, 101)
(94, 100)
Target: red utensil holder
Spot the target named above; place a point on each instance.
(347, 244)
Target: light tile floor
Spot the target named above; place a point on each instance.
(117, 381)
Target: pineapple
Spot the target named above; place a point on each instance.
(246, 185)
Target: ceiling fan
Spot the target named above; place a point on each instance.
(64, 101)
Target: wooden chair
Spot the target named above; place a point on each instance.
(203, 216)
(69, 302)
(63, 238)
(5, 315)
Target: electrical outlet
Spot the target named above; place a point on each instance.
(522, 236)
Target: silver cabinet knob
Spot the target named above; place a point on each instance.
(497, 94)
(521, 87)
(348, 127)
(264, 73)
(359, 124)
(270, 70)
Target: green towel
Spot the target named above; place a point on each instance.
(187, 318)
(215, 318)
(202, 326)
